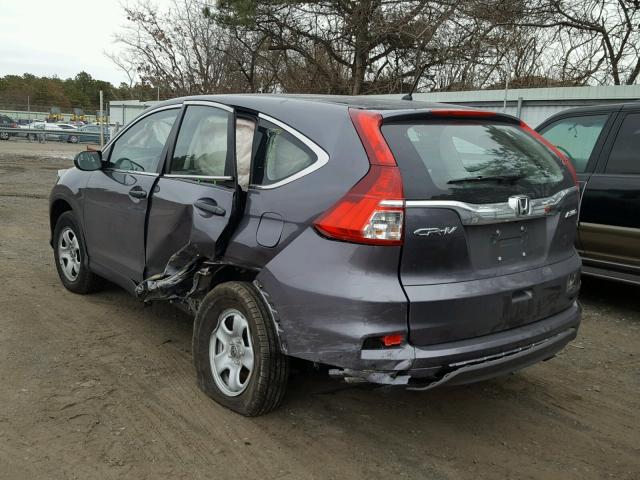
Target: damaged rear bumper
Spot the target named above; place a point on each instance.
(470, 360)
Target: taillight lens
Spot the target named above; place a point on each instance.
(368, 127)
(372, 212)
(567, 163)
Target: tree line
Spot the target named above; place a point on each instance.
(378, 46)
(18, 92)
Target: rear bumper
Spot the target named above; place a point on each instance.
(469, 360)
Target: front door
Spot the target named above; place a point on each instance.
(117, 197)
(609, 222)
(193, 201)
(580, 137)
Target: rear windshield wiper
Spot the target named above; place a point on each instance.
(488, 178)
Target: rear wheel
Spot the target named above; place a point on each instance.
(236, 352)
(73, 139)
(4, 135)
(71, 256)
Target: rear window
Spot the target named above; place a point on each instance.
(472, 161)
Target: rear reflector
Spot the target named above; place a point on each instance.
(372, 212)
(392, 340)
(567, 163)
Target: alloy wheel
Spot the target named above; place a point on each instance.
(69, 254)
(231, 353)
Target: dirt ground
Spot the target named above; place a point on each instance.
(99, 386)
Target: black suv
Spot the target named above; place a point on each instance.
(603, 143)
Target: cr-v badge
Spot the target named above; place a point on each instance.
(520, 204)
(426, 232)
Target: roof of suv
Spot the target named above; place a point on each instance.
(367, 102)
(297, 107)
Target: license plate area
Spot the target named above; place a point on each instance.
(507, 244)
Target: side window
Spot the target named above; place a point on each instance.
(576, 137)
(625, 154)
(278, 154)
(140, 147)
(202, 143)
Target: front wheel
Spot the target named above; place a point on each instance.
(73, 139)
(4, 135)
(236, 352)
(71, 256)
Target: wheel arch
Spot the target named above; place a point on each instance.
(58, 207)
(235, 273)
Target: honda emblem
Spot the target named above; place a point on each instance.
(520, 204)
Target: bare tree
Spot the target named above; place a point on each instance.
(610, 24)
(126, 62)
(180, 49)
(346, 43)
(378, 46)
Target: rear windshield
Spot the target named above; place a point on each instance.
(472, 161)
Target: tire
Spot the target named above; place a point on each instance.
(4, 135)
(69, 250)
(259, 390)
(73, 139)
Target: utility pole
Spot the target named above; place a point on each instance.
(101, 120)
(506, 86)
(158, 92)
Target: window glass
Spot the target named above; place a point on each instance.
(625, 154)
(202, 143)
(472, 161)
(576, 137)
(140, 147)
(279, 154)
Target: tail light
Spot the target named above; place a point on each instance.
(372, 212)
(14, 125)
(566, 162)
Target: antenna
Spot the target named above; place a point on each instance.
(409, 96)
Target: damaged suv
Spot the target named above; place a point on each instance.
(396, 242)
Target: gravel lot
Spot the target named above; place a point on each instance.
(101, 387)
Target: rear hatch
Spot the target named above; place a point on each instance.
(485, 201)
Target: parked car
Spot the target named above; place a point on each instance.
(400, 243)
(53, 131)
(603, 143)
(7, 122)
(89, 133)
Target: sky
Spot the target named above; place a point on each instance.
(51, 37)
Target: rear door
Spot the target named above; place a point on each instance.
(610, 217)
(117, 197)
(193, 201)
(485, 199)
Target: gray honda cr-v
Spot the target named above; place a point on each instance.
(397, 242)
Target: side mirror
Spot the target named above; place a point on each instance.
(88, 161)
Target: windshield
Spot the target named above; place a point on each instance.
(472, 161)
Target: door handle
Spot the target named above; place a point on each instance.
(521, 296)
(209, 205)
(137, 192)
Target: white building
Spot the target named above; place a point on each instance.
(533, 105)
